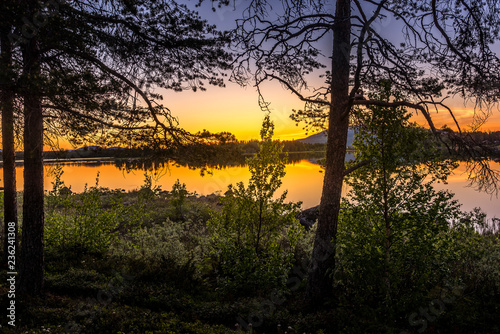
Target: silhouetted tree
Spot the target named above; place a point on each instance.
(446, 51)
(89, 69)
(31, 257)
(7, 99)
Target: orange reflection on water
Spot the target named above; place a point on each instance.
(304, 181)
(112, 177)
(466, 193)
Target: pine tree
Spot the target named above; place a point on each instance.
(88, 71)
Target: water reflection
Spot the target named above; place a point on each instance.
(304, 179)
(234, 160)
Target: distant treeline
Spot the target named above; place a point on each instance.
(466, 144)
(252, 146)
(202, 155)
(488, 138)
(233, 148)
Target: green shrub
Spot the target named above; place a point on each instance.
(253, 239)
(169, 249)
(402, 245)
(304, 247)
(60, 196)
(87, 223)
(84, 227)
(147, 190)
(179, 194)
(392, 244)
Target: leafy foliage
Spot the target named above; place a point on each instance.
(87, 230)
(392, 235)
(254, 237)
(169, 249)
(178, 200)
(148, 191)
(87, 223)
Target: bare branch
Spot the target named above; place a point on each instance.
(351, 169)
(294, 91)
(396, 104)
(92, 118)
(172, 130)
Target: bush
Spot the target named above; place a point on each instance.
(253, 239)
(178, 200)
(87, 223)
(169, 249)
(83, 226)
(392, 244)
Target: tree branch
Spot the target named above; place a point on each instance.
(296, 92)
(351, 169)
(92, 118)
(170, 130)
(396, 104)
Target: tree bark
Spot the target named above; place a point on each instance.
(8, 148)
(320, 283)
(32, 258)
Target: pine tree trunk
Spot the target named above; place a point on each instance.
(32, 259)
(320, 285)
(8, 148)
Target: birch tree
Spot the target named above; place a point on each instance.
(445, 50)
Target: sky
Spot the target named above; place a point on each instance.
(235, 109)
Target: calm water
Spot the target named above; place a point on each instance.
(303, 181)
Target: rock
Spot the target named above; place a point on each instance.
(309, 216)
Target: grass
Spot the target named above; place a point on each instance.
(152, 275)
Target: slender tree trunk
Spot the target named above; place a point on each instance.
(320, 284)
(259, 228)
(387, 221)
(32, 259)
(8, 148)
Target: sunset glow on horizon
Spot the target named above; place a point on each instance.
(235, 109)
(246, 123)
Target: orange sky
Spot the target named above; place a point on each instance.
(235, 109)
(464, 116)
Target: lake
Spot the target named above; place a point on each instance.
(303, 180)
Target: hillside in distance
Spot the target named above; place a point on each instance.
(321, 138)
